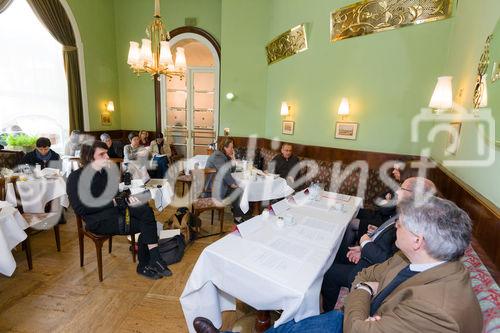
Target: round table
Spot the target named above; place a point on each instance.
(12, 226)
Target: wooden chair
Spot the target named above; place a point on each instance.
(33, 220)
(2, 189)
(202, 178)
(98, 242)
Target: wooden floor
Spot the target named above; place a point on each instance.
(60, 296)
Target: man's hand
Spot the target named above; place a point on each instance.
(133, 201)
(374, 318)
(372, 228)
(364, 238)
(354, 254)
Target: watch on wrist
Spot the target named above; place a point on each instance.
(366, 287)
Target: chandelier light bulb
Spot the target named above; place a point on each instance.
(146, 53)
(165, 54)
(134, 55)
(180, 59)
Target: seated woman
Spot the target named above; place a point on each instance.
(107, 214)
(143, 138)
(42, 155)
(161, 153)
(225, 184)
(134, 151)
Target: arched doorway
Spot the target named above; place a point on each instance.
(190, 107)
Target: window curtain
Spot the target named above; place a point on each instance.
(55, 19)
(4, 4)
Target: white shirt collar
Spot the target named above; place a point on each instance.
(424, 267)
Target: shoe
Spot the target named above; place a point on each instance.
(148, 272)
(203, 325)
(161, 268)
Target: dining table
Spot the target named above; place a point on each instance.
(274, 261)
(12, 226)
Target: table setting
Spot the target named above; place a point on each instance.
(274, 261)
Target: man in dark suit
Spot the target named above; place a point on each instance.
(373, 249)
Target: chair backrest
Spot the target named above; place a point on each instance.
(13, 180)
(2, 189)
(203, 181)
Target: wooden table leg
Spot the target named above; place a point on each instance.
(262, 321)
(255, 208)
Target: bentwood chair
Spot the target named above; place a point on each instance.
(98, 242)
(204, 179)
(36, 222)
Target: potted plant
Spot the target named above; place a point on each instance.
(22, 142)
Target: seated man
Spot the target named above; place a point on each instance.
(374, 249)
(160, 149)
(282, 163)
(91, 196)
(42, 155)
(115, 148)
(423, 288)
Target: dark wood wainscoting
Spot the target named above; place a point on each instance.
(484, 214)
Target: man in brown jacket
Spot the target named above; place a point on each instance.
(422, 288)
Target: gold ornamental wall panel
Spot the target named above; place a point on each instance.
(367, 17)
(287, 44)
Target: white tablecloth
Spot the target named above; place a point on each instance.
(12, 226)
(262, 188)
(272, 267)
(36, 193)
(200, 160)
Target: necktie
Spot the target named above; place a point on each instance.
(402, 276)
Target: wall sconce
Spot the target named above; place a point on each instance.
(442, 97)
(343, 108)
(285, 109)
(230, 96)
(110, 106)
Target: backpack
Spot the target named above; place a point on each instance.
(172, 249)
(187, 222)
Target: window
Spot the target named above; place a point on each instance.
(33, 88)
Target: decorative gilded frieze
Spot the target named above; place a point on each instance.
(367, 17)
(287, 44)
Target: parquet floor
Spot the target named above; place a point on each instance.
(60, 296)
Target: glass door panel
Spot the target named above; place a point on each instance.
(203, 124)
(177, 115)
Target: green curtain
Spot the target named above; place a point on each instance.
(4, 4)
(54, 17)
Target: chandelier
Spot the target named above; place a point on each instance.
(154, 55)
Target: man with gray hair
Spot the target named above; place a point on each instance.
(422, 288)
(115, 149)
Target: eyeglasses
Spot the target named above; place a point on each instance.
(405, 189)
(400, 225)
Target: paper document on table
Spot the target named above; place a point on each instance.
(318, 224)
(315, 236)
(281, 207)
(323, 204)
(271, 263)
(337, 196)
(249, 227)
(291, 249)
(300, 198)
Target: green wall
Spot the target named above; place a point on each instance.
(474, 21)
(244, 66)
(131, 19)
(95, 19)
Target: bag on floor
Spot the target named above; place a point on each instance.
(186, 221)
(172, 249)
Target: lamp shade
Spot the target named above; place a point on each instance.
(146, 54)
(165, 54)
(483, 102)
(110, 106)
(284, 109)
(343, 107)
(180, 59)
(134, 54)
(442, 97)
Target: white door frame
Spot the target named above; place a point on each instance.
(163, 85)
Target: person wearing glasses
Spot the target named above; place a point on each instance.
(374, 247)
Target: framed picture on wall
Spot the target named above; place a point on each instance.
(105, 119)
(287, 127)
(344, 130)
(453, 138)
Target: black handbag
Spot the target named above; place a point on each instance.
(172, 249)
